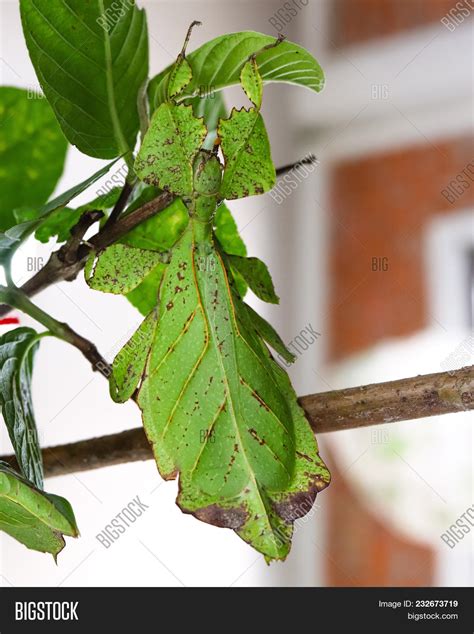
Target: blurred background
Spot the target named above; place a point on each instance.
(372, 250)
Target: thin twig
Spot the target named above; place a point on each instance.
(15, 297)
(311, 159)
(119, 205)
(56, 270)
(68, 252)
(405, 399)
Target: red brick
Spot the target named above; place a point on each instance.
(355, 21)
(380, 207)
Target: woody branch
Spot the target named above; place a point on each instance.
(376, 404)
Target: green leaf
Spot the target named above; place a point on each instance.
(32, 152)
(142, 194)
(162, 230)
(91, 59)
(60, 222)
(145, 295)
(128, 365)
(179, 77)
(310, 476)
(24, 214)
(225, 229)
(269, 334)
(219, 411)
(211, 108)
(58, 225)
(241, 285)
(121, 268)
(227, 234)
(181, 73)
(103, 201)
(249, 168)
(252, 82)
(166, 156)
(12, 238)
(35, 518)
(17, 351)
(256, 274)
(158, 233)
(218, 64)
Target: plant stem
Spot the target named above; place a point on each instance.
(15, 297)
(120, 205)
(381, 403)
(56, 270)
(307, 160)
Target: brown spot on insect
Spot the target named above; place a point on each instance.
(178, 289)
(256, 437)
(229, 466)
(180, 276)
(296, 505)
(169, 305)
(224, 518)
(171, 475)
(259, 399)
(169, 141)
(304, 456)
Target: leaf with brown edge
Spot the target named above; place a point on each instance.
(179, 77)
(218, 410)
(166, 155)
(252, 82)
(120, 268)
(249, 168)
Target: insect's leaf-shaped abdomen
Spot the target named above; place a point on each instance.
(213, 406)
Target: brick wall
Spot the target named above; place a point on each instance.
(363, 551)
(380, 207)
(356, 21)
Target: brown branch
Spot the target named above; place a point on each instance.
(57, 270)
(405, 399)
(307, 160)
(88, 349)
(69, 251)
(128, 222)
(120, 204)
